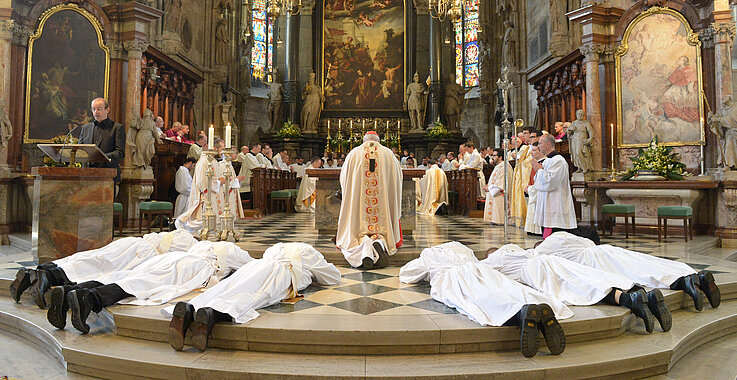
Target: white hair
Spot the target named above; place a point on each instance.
(370, 137)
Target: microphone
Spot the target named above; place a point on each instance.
(66, 140)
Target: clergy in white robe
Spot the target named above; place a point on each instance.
(643, 269)
(306, 194)
(494, 205)
(280, 160)
(473, 160)
(554, 205)
(248, 161)
(233, 195)
(371, 184)
(433, 190)
(284, 270)
(530, 225)
(183, 185)
(481, 292)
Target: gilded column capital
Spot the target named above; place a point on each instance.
(597, 52)
(135, 48)
(724, 32)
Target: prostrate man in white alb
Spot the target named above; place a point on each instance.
(494, 206)
(577, 284)
(474, 161)
(122, 254)
(183, 185)
(433, 190)
(284, 270)
(306, 194)
(488, 297)
(155, 281)
(554, 206)
(371, 205)
(643, 269)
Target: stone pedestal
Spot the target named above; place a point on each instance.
(327, 205)
(72, 211)
(135, 188)
(726, 210)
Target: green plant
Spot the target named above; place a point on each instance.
(438, 130)
(288, 130)
(658, 158)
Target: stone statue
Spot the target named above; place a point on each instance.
(580, 136)
(276, 99)
(454, 103)
(142, 139)
(312, 107)
(6, 128)
(245, 61)
(724, 125)
(221, 43)
(173, 16)
(414, 101)
(509, 46)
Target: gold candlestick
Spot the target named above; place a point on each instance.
(209, 218)
(227, 220)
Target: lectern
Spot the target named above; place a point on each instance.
(72, 206)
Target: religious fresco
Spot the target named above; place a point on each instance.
(659, 81)
(363, 54)
(68, 66)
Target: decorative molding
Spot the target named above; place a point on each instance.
(7, 29)
(596, 52)
(707, 37)
(421, 6)
(587, 3)
(724, 33)
(308, 7)
(135, 48)
(730, 197)
(169, 43)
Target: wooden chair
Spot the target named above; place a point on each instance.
(611, 211)
(684, 213)
(282, 196)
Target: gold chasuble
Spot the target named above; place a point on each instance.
(517, 201)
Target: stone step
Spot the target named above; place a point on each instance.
(20, 241)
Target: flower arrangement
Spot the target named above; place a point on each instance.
(657, 158)
(438, 130)
(288, 130)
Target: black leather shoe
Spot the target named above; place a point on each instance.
(81, 308)
(383, 260)
(204, 320)
(182, 317)
(555, 338)
(21, 283)
(39, 287)
(639, 306)
(710, 288)
(58, 306)
(656, 304)
(689, 284)
(529, 342)
(368, 263)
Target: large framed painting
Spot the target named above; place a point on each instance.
(363, 51)
(68, 66)
(659, 81)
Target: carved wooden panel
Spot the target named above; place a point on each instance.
(171, 93)
(560, 91)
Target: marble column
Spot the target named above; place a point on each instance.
(436, 89)
(291, 76)
(592, 54)
(723, 37)
(7, 28)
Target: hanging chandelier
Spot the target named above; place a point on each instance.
(277, 8)
(442, 9)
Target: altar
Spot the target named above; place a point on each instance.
(327, 204)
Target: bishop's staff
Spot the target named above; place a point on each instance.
(505, 85)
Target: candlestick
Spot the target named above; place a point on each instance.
(211, 137)
(227, 136)
(703, 160)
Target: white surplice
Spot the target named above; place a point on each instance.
(183, 184)
(284, 269)
(568, 281)
(248, 163)
(122, 254)
(554, 205)
(174, 274)
(371, 204)
(447, 165)
(476, 290)
(494, 205)
(305, 201)
(474, 160)
(263, 161)
(530, 225)
(433, 190)
(279, 163)
(643, 269)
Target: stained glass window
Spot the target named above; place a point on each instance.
(466, 45)
(262, 53)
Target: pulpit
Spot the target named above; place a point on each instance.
(72, 210)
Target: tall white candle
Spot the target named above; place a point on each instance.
(227, 135)
(211, 137)
(612, 134)
(374, 124)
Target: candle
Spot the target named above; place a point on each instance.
(351, 125)
(328, 124)
(398, 125)
(387, 125)
(612, 138)
(339, 120)
(374, 124)
(227, 136)
(211, 137)
(363, 125)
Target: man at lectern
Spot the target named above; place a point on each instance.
(108, 135)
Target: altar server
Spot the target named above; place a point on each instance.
(554, 206)
(494, 205)
(530, 225)
(433, 190)
(371, 205)
(306, 194)
(183, 185)
(122, 254)
(248, 161)
(643, 269)
(155, 281)
(488, 297)
(284, 270)
(473, 160)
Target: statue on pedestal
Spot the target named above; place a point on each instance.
(580, 136)
(312, 107)
(724, 125)
(454, 103)
(222, 38)
(142, 139)
(6, 128)
(415, 100)
(276, 100)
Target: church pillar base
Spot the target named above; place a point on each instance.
(135, 187)
(726, 210)
(590, 199)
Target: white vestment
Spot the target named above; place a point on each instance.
(299, 169)
(279, 163)
(570, 282)
(248, 163)
(554, 205)
(284, 269)
(263, 161)
(643, 269)
(306, 194)
(530, 225)
(233, 197)
(174, 274)
(476, 290)
(494, 206)
(447, 165)
(433, 190)
(183, 184)
(371, 204)
(474, 160)
(122, 254)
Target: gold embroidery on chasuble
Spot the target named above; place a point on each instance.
(371, 190)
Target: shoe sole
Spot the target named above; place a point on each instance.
(713, 294)
(176, 326)
(76, 320)
(657, 306)
(38, 298)
(555, 337)
(21, 283)
(199, 335)
(56, 315)
(529, 341)
(368, 264)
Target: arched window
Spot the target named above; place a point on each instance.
(467, 45)
(262, 53)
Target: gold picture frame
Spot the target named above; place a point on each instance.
(649, 100)
(51, 98)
